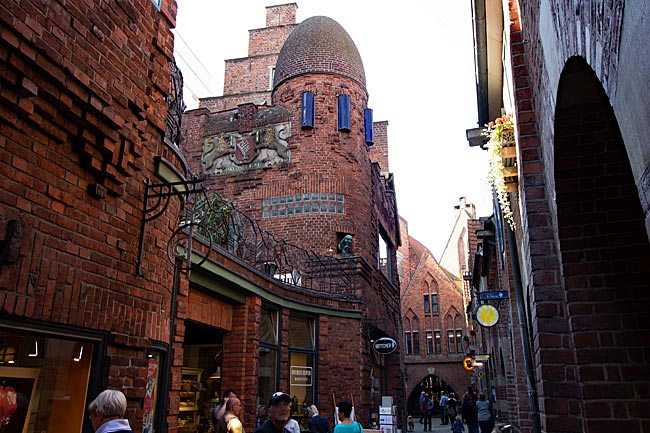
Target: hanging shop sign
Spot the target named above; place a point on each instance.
(384, 345)
(468, 363)
(487, 315)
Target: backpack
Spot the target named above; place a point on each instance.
(452, 411)
(469, 408)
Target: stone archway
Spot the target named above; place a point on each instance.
(605, 258)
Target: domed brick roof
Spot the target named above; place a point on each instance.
(319, 45)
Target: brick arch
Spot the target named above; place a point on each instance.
(452, 373)
(605, 259)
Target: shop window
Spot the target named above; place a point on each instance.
(344, 113)
(307, 118)
(200, 376)
(302, 373)
(47, 376)
(268, 355)
(267, 373)
(269, 328)
(301, 382)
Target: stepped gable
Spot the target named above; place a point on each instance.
(319, 45)
(254, 116)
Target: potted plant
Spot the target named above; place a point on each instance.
(502, 162)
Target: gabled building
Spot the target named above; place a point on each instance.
(436, 334)
(298, 196)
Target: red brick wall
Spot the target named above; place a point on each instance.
(82, 113)
(423, 272)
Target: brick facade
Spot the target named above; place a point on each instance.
(581, 244)
(429, 370)
(82, 121)
(307, 187)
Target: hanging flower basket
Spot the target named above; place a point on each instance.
(503, 162)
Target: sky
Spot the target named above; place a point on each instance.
(418, 58)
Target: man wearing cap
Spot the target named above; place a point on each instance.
(279, 414)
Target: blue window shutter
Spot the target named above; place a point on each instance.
(307, 110)
(344, 113)
(368, 127)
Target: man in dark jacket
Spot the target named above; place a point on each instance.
(317, 423)
(279, 414)
(469, 412)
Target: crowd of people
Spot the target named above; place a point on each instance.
(107, 411)
(474, 411)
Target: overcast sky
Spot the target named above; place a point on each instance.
(419, 64)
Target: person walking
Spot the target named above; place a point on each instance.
(443, 408)
(346, 425)
(317, 423)
(422, 394)
(230, 422)
(458, 426)
(279, 414)
(484, 414)
(219, 410)
(107, 412)
(427, 408)
(452, 407)
(468, 410)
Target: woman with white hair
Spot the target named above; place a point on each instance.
(107, 412)
(317, 423)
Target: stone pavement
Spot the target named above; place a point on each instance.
(435, 426)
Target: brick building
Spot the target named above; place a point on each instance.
(433, 302)
(303, 198)
(86, 119)
(570, 351)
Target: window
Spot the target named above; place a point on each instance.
(416, 342)
(434, 303)
(307, 119)
(268, 354)
(344, 113)
(385, 254)
(409, 347)
(429, 342)
(437, 342)
(50, 377)
(368, 127)
(459, 341)
(450, 341)
(271, 77)
(430, 299)
(302, 375)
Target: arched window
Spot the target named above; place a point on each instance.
(430, 297)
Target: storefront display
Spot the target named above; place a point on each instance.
(43, 381)
(190, 406)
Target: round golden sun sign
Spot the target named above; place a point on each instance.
(487, 315)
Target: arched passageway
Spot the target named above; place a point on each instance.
(605, 257)
(432, 385)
